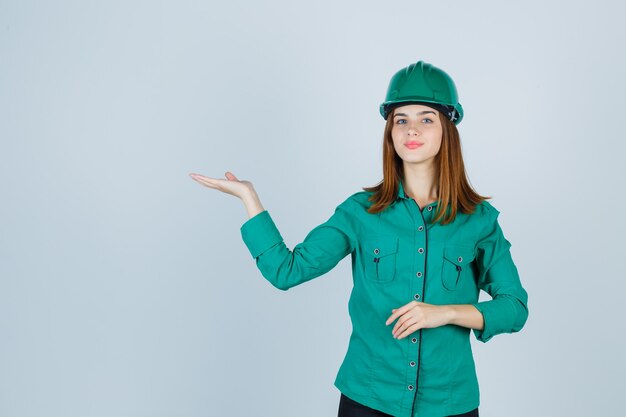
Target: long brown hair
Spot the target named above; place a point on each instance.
(455, 191)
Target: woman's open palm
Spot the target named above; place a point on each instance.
(231, 185)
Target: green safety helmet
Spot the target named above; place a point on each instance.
(423, 83)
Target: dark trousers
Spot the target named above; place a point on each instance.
(351, 408)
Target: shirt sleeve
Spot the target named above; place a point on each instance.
(319, 252)
(507, 311)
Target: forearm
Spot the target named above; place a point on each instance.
(465, 315)
(322, 248)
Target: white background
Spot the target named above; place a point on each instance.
(125, 287)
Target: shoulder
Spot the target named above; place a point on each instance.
(485, 215)
(488, 220)
(485, 208)
(358, 200)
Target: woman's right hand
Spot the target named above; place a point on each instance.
(231, 185)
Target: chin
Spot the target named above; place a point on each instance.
(416, 160)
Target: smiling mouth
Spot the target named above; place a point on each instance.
(413, 145)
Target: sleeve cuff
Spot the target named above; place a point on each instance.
(489, 328)
(499, 315)
(260, 233)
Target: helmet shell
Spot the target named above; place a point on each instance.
(423, 83)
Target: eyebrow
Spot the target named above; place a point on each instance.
(422, 112)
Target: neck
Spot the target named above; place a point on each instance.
(419, 182)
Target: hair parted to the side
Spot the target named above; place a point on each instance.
(455, 191)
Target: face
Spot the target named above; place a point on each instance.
(416, 133)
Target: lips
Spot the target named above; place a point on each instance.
(413, 144)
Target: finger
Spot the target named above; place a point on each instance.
(389, 320)
(204, 177)
(396, 313)
(209, 182)
(197, 176)
(405, 307)
(395, 327)
(405, 324)
(392, 317)
(231, 176)
(204, 180)
(194, 175)
(401, 322)
(416, 315)
(409, 330)
(409, 327)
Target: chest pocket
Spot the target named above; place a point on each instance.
(379, 258)
(456, 260)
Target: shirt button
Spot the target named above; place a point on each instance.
(430, 208)
(410, 387)
(376, 251)
(420, 228)
(416, 296)
(421, 250)
(460, 259)
(412, 363)
(419, 274)
(414, 340)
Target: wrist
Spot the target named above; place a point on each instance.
(253, 205)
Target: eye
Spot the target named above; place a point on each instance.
(427, 120)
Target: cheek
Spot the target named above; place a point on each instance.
(395, 136)
(436, 135)
(398, 141)
(398, 132)
(436, 146)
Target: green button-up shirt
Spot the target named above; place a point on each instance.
(399, 256)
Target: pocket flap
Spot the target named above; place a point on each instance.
(459, 255)
(379, 246)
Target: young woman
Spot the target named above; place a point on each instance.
(423, 244)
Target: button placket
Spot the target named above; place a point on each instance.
(420, 217)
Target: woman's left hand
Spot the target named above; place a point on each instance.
(417, 315)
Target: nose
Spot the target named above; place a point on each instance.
(413, 131)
